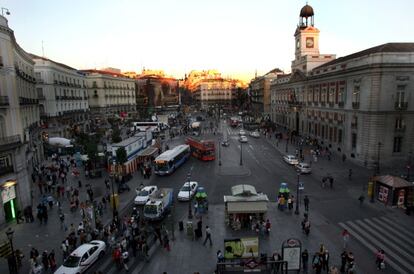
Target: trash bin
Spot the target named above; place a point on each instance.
(181, 225)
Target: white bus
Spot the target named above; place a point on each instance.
(170, 160)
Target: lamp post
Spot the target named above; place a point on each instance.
(297, 195)
(241, 153)
(9, 234)
(409, 165)
(378, 157)
(114, 212)
(219, 150)
(190, 212)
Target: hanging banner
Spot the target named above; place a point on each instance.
(8, 193)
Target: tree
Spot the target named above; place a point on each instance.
(116, 136)
(121, 157)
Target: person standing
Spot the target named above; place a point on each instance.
(306, 202)
(208, 236)
(344, 257)
(325, 260)
(345, 238)
(305, 260)
(380, 259)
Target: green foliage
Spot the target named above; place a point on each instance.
(121, 155)
(116, 136)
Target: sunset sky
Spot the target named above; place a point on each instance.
(235, 37)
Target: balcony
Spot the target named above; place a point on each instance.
(401, 105)
(4, 101)
(28, 101)
(355, 105)
(331, 104)
(341, 104)
(41, 97)
(6, 170)
(9, 142)
(400, 129)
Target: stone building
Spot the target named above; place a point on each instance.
(63, 97)
(20, 145)
(360, 105)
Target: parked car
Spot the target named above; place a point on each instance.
(291, 160)
(82, 258)
(243, 139)
(144, 194)
(255, 134)
(242, 132)
(187, 191)
(304, 168)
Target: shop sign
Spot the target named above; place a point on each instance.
(8, 193)
(241, 248)
(291, 253)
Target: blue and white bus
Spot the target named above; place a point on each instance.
(170, 160)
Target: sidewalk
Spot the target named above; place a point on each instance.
(50, 236)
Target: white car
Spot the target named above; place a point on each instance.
(242, 132)
(243, 139)
(187, 191)
(144, 194)
(255, 134)
(291, 160)
(82, 258)
(304, 168)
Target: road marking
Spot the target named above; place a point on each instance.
(371, 248)
(388, 252)
(403, 242)
(389, 222)
(383, 239)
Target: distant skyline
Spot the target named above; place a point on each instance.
(236, 37)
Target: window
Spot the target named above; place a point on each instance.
(400, 94)
(397, 144)
(332, 94)
(339, 136)
(92, 250)
(2, 127)
(341, 94)
(399, 123)
(1, 62)
(356, 93)
(354, 140)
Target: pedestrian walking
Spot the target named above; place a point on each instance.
(361, 199)
(52, 260)
(344, 257)
(305, 260)
(380, 259)
(325, 261)
(208, 236)
(306, 202)
(317, 263)
(166, 242)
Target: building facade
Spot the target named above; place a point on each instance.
(110, 93)
(63, 98)
(210, 92)
(20, 143)
(360, 106)
(260, 92)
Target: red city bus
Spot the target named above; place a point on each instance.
(202, 149)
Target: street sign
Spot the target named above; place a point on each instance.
(5, 250)
(301, 186)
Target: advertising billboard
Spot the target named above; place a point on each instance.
(241, 248)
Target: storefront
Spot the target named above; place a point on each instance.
(245, 207)
(393, 191)
(9, 200)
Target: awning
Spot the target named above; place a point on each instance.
(149, 151)
(393, 181)
(247, 207)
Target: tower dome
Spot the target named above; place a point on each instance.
(306, 11)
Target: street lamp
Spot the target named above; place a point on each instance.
(378, 157)
(12, 263)
(114, 212)
(297, 195)
(190, 212)
(241, 153)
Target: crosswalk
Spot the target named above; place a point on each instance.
(389, 234)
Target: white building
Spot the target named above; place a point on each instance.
(210, 92)
(63, 97)
(360, 106)
(20, 146)
(110, 93)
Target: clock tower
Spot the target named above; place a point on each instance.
(307, 42)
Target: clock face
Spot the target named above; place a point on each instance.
(309, 42)
(298, 44)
